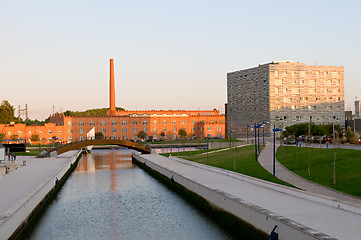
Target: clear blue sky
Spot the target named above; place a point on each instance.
(168, 54)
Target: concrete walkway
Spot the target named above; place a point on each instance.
(315, 215)
(23, 184)
(266, 161)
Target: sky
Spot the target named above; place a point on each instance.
(167, 54)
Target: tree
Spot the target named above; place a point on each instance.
(2, 136)
(162, 134)
(142, 134)
(182, 133)
(6, 112)
(35, 138)
(14, 137)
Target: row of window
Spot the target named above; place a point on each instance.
(37, 132)
(155, 122)
(297, 118)
(135, 130)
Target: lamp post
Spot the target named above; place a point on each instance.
(255, 140)
(264, 124)
(256, 129)
(274, 147)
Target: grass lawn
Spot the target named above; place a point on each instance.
(245, 162)
(192, 141)
(32, 152)
(348, 166)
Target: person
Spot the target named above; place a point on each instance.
(14, 157)
(9, 157)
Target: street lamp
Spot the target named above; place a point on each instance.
(263, 125)
(256, 127)
(274, 147)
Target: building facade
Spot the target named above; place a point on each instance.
(283, 94)
(124, 125)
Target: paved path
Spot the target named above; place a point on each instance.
(292, 205)
(266, 161)
(19, 185)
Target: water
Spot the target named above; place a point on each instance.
(109, 198)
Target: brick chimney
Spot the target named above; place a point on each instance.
(112, 89)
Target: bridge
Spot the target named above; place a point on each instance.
(81, 144)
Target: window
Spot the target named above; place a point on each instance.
(124, 137)
(103, 130)
(49, 132)
(193, 122)
(174, 129)
(155, 122)
(70, 131)
(145, 122)
(221, 121)
(20, 132)
(155, 130)
(29, 132)
(92, 123)
(155, 136)
(209, 128)
(59, 132)
(114, 137)
(164, 122)
(219, 129)
(174, 136)
(114, 130)
(212, 121)
(81, 123)
(81, 138)
(114, 123)
(164, 130)
(135, 123)
(70, 123)
(145, 130)
(70, 139)
(103, 123)
(40, 132)
(81, 131)
(135, 130)
(9, 133)
(124, 130)
(184, 122)
(174, 122)
(124, 123)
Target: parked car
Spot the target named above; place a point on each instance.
(325, 139)
(315, 139)
(289, 140)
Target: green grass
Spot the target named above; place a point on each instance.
(348, 166)
(31, 152)
(192, 141)
(245, 162)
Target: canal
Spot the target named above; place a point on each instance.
(108, 197)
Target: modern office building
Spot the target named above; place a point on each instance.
(283, 94)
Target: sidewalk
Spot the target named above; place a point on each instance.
(286, 207)
(266, 161)
(19, 188)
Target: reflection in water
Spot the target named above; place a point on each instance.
(109, 198)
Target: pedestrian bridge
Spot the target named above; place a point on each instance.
(82, 144)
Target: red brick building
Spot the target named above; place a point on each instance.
(123, 124)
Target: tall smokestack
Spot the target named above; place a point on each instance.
(112, 89)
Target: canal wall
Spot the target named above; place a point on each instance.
(21, 212)
(227, 204)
